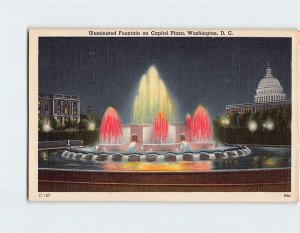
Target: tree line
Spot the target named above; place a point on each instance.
(87, 122)
(235, 127)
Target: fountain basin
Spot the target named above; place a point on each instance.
(93, 155)
(162, 147)
(196, 146)
(112, 147)
(139, 147)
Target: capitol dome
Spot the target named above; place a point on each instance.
(269, 89)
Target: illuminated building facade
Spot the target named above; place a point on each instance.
(59, 107)
(269, 95)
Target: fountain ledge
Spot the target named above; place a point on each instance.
(157, 156)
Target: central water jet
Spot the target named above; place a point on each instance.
(152, 96)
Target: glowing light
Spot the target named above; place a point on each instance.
(152, 97)
(200, 129)
(269, 125)
(46, 127)
(142, 166)
(111, 128)
(252, 125)
(44, 156)
(271, 162)
(160, 128)
(225, 121)
(91, 126)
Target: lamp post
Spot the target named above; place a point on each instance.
(269, 125)
(225, 122)
(252, 126)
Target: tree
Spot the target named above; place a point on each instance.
(89, 118)
(71, 123)
(83, 124)
(56, 124)
(233, 119)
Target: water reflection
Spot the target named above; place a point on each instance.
(261, 158)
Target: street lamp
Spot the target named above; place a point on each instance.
(269, 125)
(46, 126)
(91, 126)
(225, 121)
(252, 126)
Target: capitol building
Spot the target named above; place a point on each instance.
(269, 95)
(269, 89)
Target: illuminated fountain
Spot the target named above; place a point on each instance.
(188, 120)
(199, 130)
(200, 127)
(160, 128)
(111, 132)
(153, 136)
(152, 97)
(111, 128)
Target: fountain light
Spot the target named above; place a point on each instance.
(160, 128)
(188, 120)
(252, 126)
(111, 127)
(200, 128)
(152, 96)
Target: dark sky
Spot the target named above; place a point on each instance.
(208, 71)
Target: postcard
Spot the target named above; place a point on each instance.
(206, 115)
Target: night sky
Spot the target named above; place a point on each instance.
(212, 72)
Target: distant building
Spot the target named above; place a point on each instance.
(89, 110)
(257, 107)
(59, 107)
(269, 95)
(269, 89)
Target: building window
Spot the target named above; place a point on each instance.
(66, 110)
(74, 107)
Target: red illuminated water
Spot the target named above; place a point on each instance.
(200, 128)
(188, 120)
(111, 128)
(160, 128)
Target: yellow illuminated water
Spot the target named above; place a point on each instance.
(152, 97)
